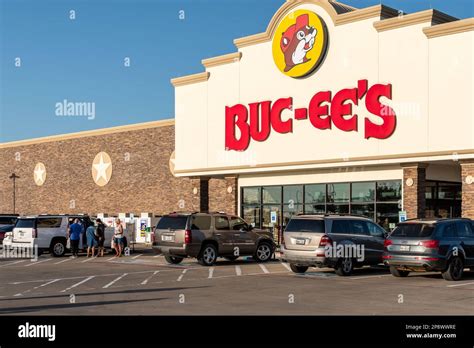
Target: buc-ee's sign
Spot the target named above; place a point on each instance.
(257, 120)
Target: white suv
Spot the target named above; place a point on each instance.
(47, 232)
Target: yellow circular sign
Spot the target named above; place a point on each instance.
(299, 43)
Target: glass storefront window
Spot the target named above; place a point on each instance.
(376, 200)
(389, 191)
(338, 208)
(363, 192)
(251, 195)
(271, 194)
(387, 215)
(289, 211)
(363, 209)
(293, 194)
(252, 215)
(314, 209)
(338, 193)
(315, 193)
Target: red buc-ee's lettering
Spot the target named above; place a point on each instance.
(323, 110)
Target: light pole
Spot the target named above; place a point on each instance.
(14, 177)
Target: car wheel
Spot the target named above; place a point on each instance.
(345, 267)
(58, 248)
(173, 259)
(208, 255)
(455, 269)
(398, 272)
(231, 258)
(298, 269)
(263, 252)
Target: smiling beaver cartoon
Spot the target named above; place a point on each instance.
(296, 41)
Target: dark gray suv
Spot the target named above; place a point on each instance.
(207, 236)
(444, 245)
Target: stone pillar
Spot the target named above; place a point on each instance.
(223, 194)
(414, 189)
(467, 175)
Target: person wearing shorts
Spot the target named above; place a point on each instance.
(91, 241)
(118, 238)
(100, 237)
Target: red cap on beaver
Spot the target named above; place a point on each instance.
(301, 22)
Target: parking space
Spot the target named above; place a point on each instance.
(122, 286)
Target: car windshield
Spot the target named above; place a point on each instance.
(413, 230)
(172, 222)
(25, 223)
(305, 225)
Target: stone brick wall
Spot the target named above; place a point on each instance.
(414, 201)
(141, 184)
(467, 169)
(219, 198)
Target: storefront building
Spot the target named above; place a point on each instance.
(331, 110)
(335, 109)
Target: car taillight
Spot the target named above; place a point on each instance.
(387, 242)
(431, 244)
(325, 240)
(188, 238)
(34, 233)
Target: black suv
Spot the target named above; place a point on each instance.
(444, 245)
(207, 236)
(339, 241)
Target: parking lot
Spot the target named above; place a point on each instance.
(144, 284)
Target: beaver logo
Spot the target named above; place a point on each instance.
(299, 43)
(296, 41)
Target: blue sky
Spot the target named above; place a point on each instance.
(82, 60)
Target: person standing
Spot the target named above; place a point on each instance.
(101, 237)
(91, 241)
(118, 238)
(75, 231)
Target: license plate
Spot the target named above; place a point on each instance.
(167, 238)
(404, 248)
(300, 241)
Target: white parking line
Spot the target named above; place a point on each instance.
(12, 263)
(77, 284)
(147, 279)
(264, 269)
(89, 259)
(65, 260)
(238, 270)
(113, 257)
(37, 262)
(456, 285)
(114, 281)
(157, 255)
(284, 264)
(182, 275)
(36, 287)
(211, 272)
(136, 257)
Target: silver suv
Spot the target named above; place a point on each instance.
(341, 242)
(207, 236)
